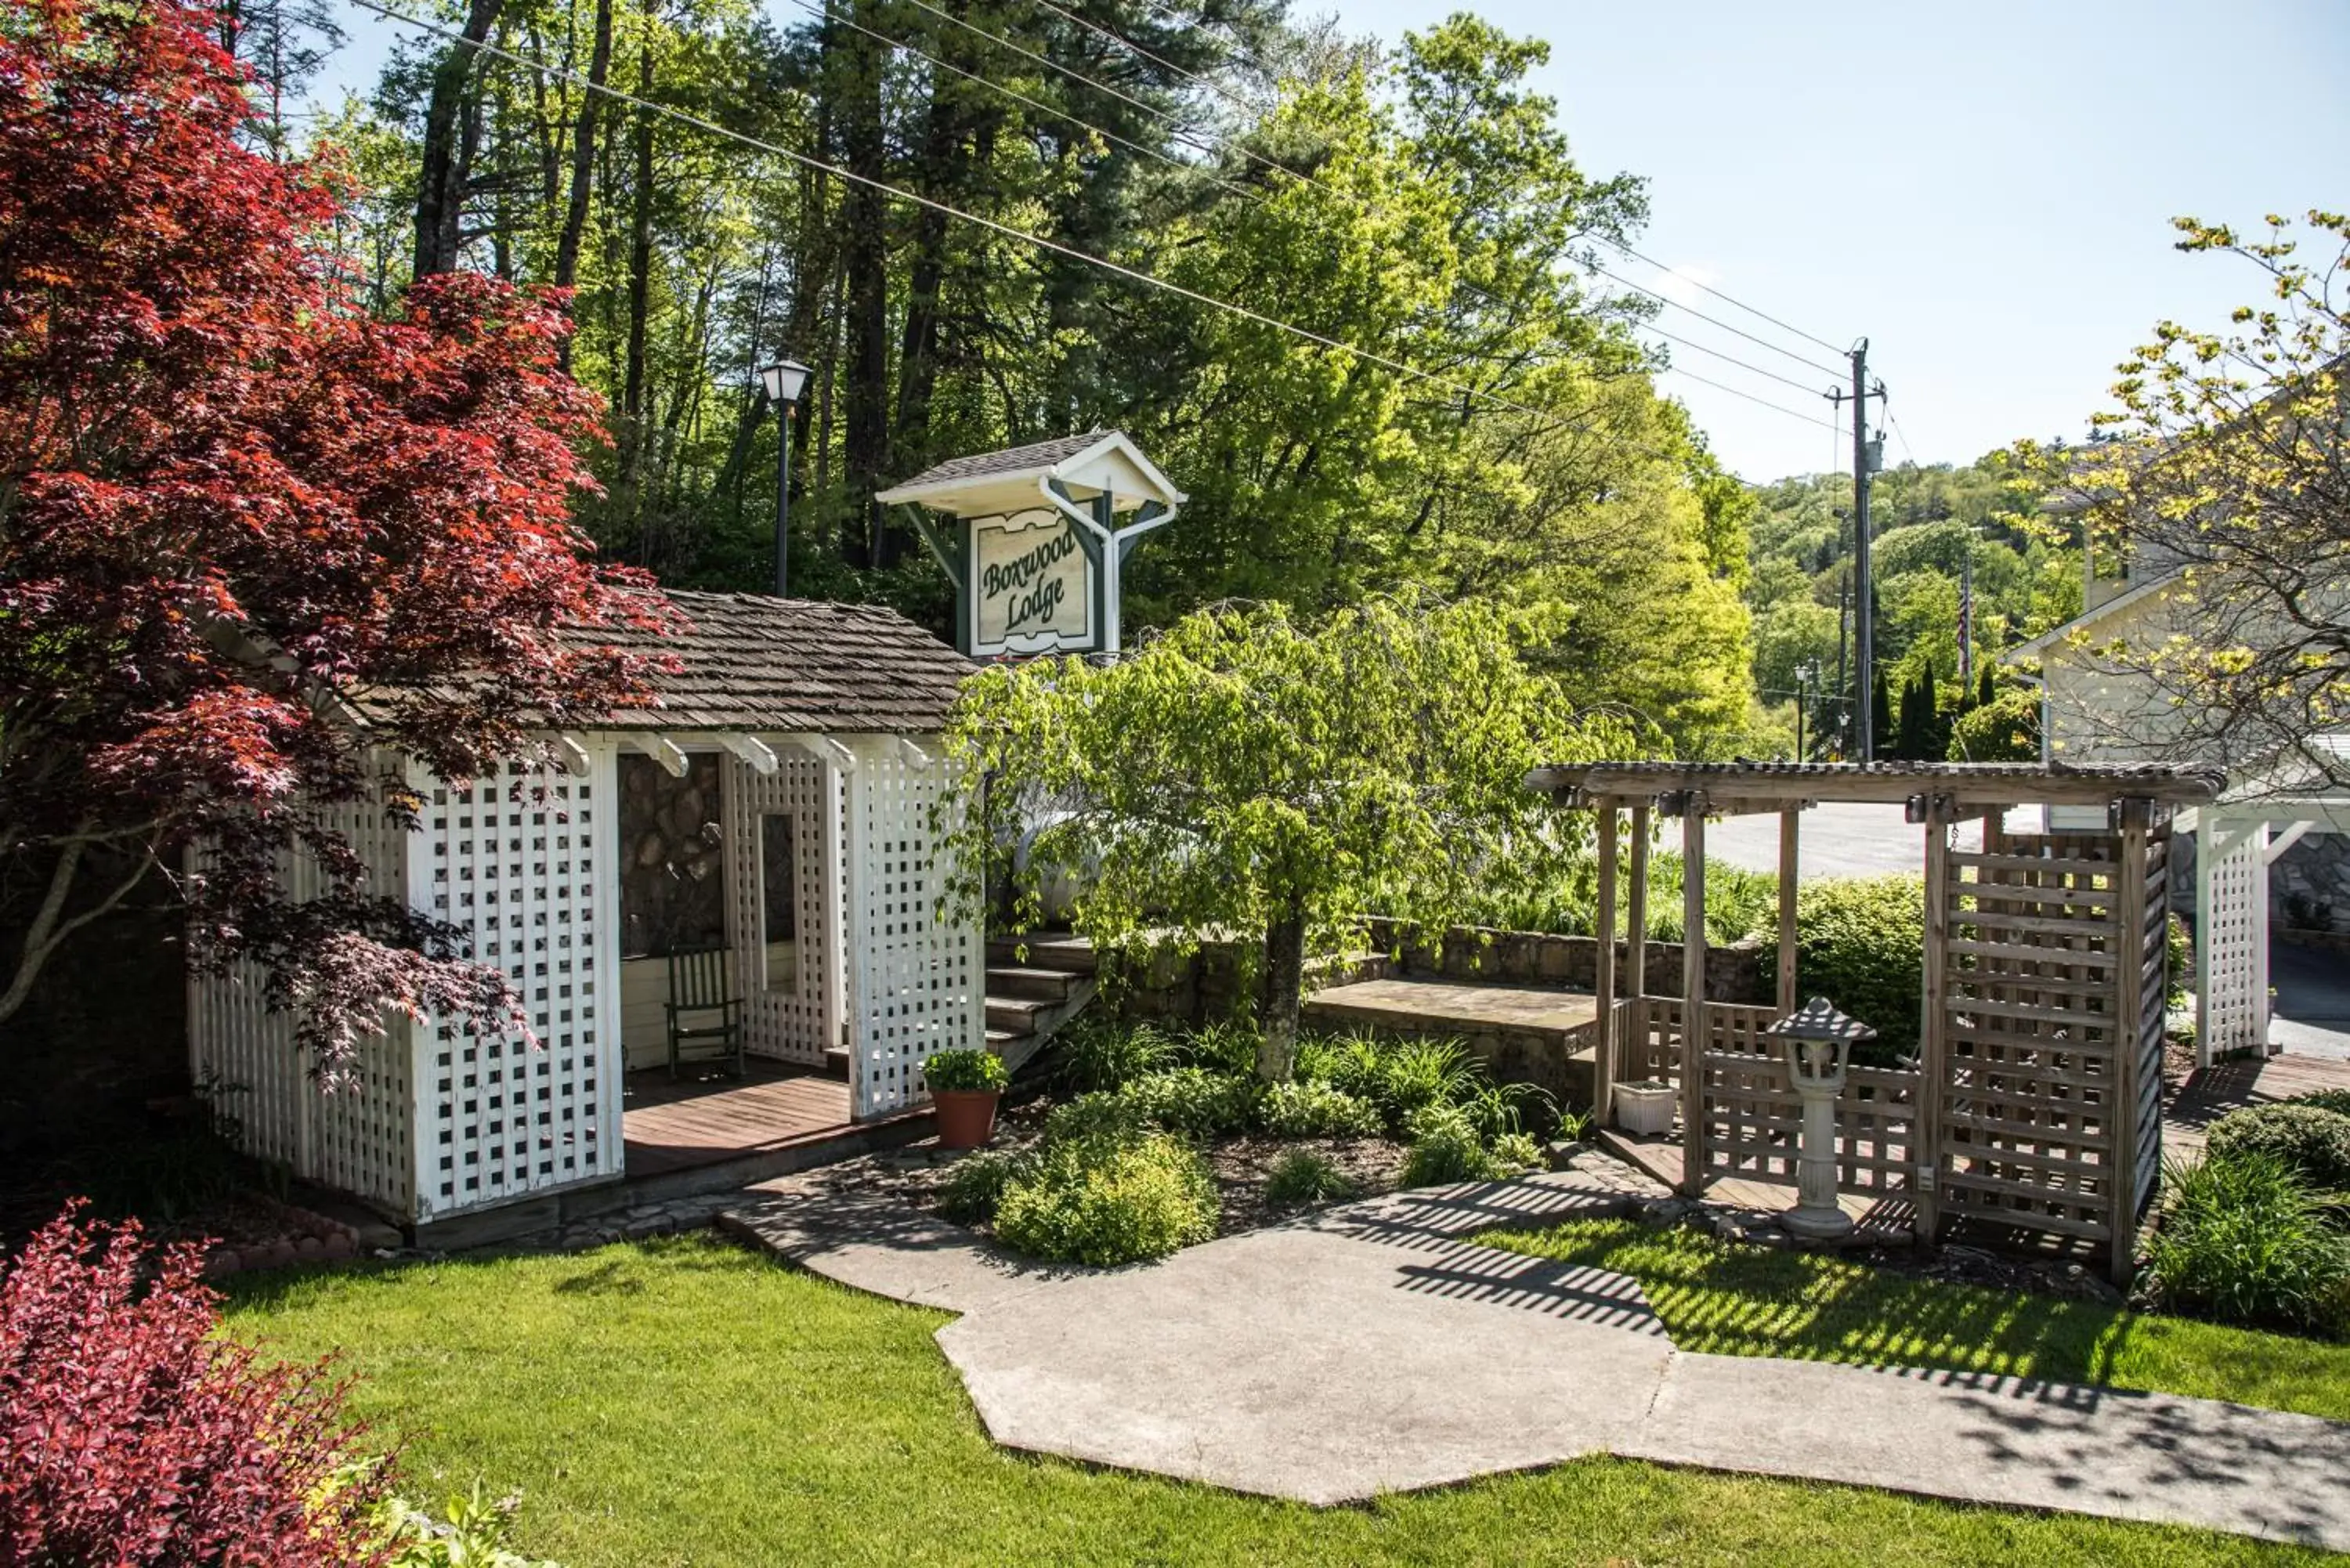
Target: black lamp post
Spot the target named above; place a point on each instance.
(784, 381)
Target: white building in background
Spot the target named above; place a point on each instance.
(2274, 849)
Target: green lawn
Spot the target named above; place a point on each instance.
(1747, 1301)
(685, 1402)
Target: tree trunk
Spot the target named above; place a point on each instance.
(439, 186)
(582, 158)
(1284, 986)
(865, 220)
(633, 417)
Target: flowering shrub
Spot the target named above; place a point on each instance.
(131, 1435)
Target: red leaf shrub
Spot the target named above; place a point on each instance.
(130, 1434)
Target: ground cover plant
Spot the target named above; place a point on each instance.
(2243, 1239)
(1723, 1299)
(2311, 1141)
(1112, 1173)
(825, 1426)
(1108, 1198)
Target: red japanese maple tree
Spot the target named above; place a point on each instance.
(237, 513)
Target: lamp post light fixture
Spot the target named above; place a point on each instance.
(783, 380)
(1819, 1042)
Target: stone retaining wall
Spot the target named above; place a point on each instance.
(1732, 973)
(1208, 987)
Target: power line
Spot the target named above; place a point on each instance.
(1193, 138)
(1604, 239)
(1749, 396)
(1733, 358)
(1900, 435)
(1008, 231)
(1184, 133)
(1154, 59)
(1710, 321)
(1221, 37)
(1758, 314)
(825, 14)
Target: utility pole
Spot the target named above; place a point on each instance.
(1844, 638)
(1967, 620)
(1866, 457)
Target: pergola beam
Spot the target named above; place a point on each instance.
(1774, 786)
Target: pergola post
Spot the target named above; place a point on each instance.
(1790, 829)
(1636, 908)
(1693, 1019)
(2129, 945)
(1933, 1043)
(1603, 986)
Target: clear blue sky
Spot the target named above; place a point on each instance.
(1982, 189)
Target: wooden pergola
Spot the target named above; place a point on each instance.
(2035, 1098)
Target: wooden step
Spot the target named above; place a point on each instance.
(836, 1063)
(997, 1039)
(1030, 984)
(1015, 1015)
(1046, 950)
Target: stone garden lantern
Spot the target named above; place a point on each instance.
(1819, 1042)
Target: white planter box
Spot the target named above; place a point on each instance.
(1645, 1109)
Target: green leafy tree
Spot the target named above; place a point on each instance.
(2223, 477)
(2004, 729)
(1246, 771)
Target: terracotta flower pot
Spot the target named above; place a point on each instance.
(966, 1117)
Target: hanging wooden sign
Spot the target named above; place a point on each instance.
(1035, 537)
(1032, 586)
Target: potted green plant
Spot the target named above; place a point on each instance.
(964, 1087)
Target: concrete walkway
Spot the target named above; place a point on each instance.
(1372, 1348)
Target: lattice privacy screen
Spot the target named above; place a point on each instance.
(918, 983)
(2048, 1104)
(521, 863)
(2229, 948)
(1752, 1115)
(798, 1022)
(352, 1132)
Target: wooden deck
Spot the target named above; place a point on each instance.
(679, 1125)
(2226, 1086)
(1891, 1216)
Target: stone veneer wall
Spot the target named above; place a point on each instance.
(1733, 972)
(2311, 879)
(672, 877)
(1208, 986)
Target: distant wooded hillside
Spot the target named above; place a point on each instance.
(1926, 521)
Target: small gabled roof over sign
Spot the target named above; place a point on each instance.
(994, 484)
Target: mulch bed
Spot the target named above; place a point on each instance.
(1241, 1167)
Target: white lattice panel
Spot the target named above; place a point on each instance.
(918, 982)
(523, 863)
(795, 1022)
(2231, 931)
(353, 1131)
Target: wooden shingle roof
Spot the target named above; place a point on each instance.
(750, 663)
(1012, 460)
